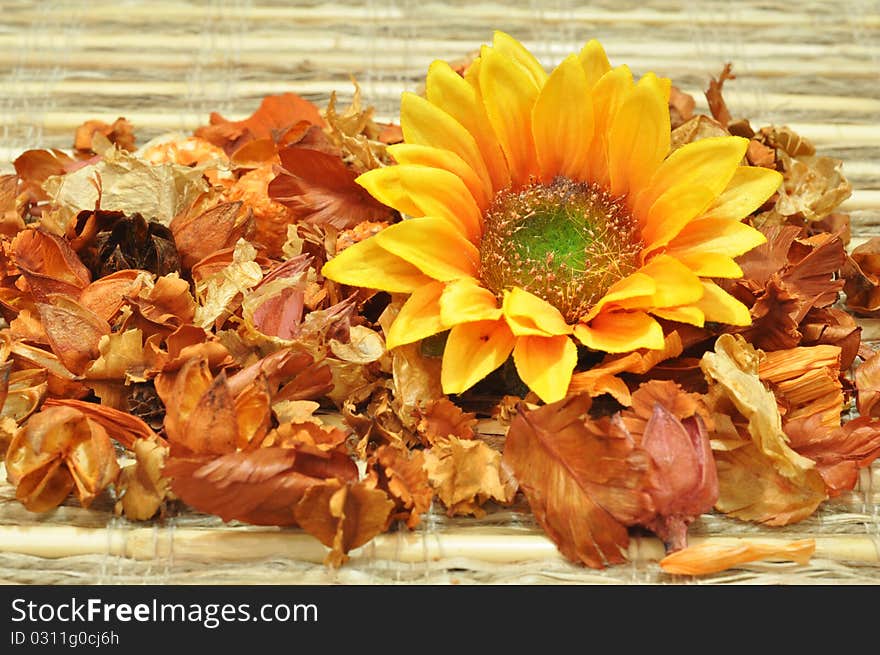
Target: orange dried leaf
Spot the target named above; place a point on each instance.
(440, 419)
(466, 474)
(198, 234)
(125, 428)
(585, 482)
(343, 516)
(401, 472)
(74, 332)
(120, 133)
(713, 94)
(56, 451)
(49, 264)
(143, 488)
(709, 558)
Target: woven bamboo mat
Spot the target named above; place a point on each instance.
(165, 65)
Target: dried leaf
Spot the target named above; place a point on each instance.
(120, 133)
(48, 264)
(320, 189)
(128, 430)
(862, 278)
(219, 295)
(143, 488)
(867, 380)
(73, 331)
(60, 450)
(715, 557)
(713, 95)
(198, 234)
(585, 482)
(440, 419)
(466, 474)
(343, 516)
(401, 473)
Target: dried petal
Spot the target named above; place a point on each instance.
(709, 558)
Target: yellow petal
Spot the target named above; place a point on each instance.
(418, 318)
(662, 84)
(635, 290)
(431, 191)
(676, 284)
(508, 93)
(433, 246)
(709, 162)
(545, 364)
(527, 314)
(594, 61)
(425, 124)
(671, 213)
(410, 153)
(689, 315)
(639, 138)
(720, 307)
(513, 49)
(716, 236)
(367, 264)
(466, 300)
(608, 95)
(473, 350)
(562, 121)
(620, 332)
(749, 188)
(707, 264)
(447, 90)
(482, 130)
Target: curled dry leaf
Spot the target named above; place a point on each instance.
(144, 489)
(867, 381)
(121, 426)
(862, 278)
(761, 478)
(585, 481)
(343, 516)
(60, 450)
(440, 419)
(73, 332)
(199, 233)
(713, 95)
(709, 558)
(466, 474)
(401, 473)
(48, 264)
(120, 133)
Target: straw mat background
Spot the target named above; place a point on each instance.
(165, 65)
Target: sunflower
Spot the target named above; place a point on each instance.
(545, 212)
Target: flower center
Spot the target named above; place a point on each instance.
(566, 242)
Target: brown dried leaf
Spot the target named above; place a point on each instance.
(74, 333)
(466, 474)
(121, 426)
(681, 106)
(401, 473)
(34, 167)
(260, 486)
(713, 95)
(48, 264)
(321, 190)
(585, 482)
(198, 234)
(867, 381)
(343, 516)
(862, 278)
(120, 133)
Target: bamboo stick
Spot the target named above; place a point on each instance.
(231, 545)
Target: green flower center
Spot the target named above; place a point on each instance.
(566, 242)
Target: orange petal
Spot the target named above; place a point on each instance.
(608, 95)
(749, 188)
(562, 121)
(418, 318)
(367, 264)
(635, 290)
(433, 191)
(545, 364)
(639, 137)
(466, 300)
(676, 284)
(426, 124)
(410, 153)
(473, 350)
(709, 162)
(527, 314)
(509, 93)
(594, 61)
(461, 99)
(671, 212)
(707, 264)
(689, 315)
(720, 307)
(513, 49)
(433, 246)
(620, 332)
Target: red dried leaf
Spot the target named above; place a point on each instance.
(584, 481)
(320, 189)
